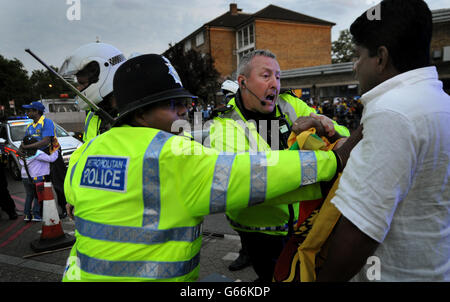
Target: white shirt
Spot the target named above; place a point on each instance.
(396, 187)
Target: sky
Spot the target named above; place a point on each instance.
(53, 29)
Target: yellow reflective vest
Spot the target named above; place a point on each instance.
(91, 126)
(231, 132)
(140, 197)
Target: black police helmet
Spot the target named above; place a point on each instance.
(144, 80)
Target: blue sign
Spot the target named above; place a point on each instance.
(105, 173)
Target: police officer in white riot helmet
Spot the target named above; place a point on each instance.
(229, 89)
(94, 65)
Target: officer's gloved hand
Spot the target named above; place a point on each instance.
(343, 152)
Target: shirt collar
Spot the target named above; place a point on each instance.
(40, 121)
(404, 79)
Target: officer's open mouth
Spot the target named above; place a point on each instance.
(270, 97)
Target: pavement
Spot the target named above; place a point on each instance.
(18, 262)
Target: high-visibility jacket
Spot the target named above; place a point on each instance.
(228, 134)
(140, 197)
(91, 126)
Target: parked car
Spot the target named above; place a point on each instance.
(12, 133)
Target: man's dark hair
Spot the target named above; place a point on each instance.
(28, 140)
(405, 29)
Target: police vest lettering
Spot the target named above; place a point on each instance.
(105, 173)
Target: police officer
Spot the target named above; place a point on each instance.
(6, 202)
(140, 195)
(94, 65)
(263, 229)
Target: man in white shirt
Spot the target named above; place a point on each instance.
(394, 194)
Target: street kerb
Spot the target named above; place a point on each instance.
(52, 235)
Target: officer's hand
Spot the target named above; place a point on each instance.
(304, 123)
(69, 209)
(326, 122)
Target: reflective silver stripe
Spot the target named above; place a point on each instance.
(86, 126)
(150, 180)
(308, 163)
(139, 269)
(74, 166)
(258, 178)
(222, 170)
(135, 234)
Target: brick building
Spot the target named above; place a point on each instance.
(228, 37)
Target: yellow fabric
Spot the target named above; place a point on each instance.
(308, 140)
(321, 230)
(323, 220)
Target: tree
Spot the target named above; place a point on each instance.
(45, 85)
(342, 49)
(14, 83)
(196, 70)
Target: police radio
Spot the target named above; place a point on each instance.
(285, 131)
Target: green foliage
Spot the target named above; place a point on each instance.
(196, 71)
(342, 49)
(15, 84)
(46, 85)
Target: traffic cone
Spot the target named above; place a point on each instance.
(52, 235)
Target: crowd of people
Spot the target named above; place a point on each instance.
(138, 193)
(345, 111)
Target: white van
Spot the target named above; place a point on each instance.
(66, 113)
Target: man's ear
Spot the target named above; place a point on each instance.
(383, 59)
(240, 79)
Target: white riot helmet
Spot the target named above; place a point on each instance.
(229, 87)
(108, 58)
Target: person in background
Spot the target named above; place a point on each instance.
(43, 130)
(35, 168)
(6, 202)
(94, 65)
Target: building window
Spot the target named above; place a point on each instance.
(187, 46)
(245, 41)
(199, 39)
(246, 36)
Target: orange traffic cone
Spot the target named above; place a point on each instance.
(52, 236)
